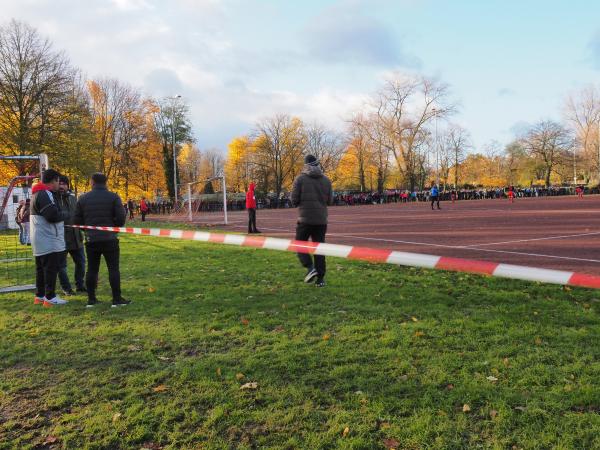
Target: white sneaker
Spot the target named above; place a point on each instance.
(54, 302)
(310, 275)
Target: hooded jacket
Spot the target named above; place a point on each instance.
(312, 193)
(250, 197)
(47, 226)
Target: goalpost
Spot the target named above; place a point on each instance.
(189, 195)
(16, 260)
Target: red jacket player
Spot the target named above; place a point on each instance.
(511, 194)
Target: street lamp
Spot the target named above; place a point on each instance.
(173, 119)
(437, 149)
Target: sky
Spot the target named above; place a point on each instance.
(508, 62)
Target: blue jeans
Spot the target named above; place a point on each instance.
(78, 257)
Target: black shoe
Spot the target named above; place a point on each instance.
(81, 290)
(92, 302)
(120, 302)
(310, 275)
(69, 292)
(257, 232)
(320, 282)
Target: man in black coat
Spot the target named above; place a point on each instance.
(101, 208)
(312, 193)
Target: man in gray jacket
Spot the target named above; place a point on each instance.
(312, 193)
(47, 238)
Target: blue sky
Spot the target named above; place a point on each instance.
(237, 61)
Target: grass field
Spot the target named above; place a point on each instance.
(383, 357)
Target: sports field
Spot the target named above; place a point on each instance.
(552, 232)
(226, 348)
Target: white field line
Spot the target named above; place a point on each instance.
(533, 239)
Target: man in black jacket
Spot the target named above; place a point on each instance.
(312, 193)
(73, 240)
(101, 208)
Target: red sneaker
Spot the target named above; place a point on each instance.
(38, 300)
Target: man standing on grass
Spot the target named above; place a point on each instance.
(47, 238)
(312, 193)
(73, 240)
(101, 208)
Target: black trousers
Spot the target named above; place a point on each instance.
(435, 199)
(316, 233)
(110, 251)
(144, 216)
(46, 271)
(252, 220)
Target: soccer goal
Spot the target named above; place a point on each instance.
(206, 205)
(17, 268)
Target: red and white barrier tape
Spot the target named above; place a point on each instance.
(373, 255)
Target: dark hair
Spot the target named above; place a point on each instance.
(311, 160)
(50, 175)
(99, 178)
(63, 179)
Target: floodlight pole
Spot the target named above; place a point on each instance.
(224, 197)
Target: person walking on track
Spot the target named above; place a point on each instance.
(312, 193)
(435, 196)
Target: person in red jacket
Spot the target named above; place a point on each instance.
(511, 195)
(143, 208)
(251, 207)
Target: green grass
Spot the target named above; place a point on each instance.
(16, 260)
(382, 357)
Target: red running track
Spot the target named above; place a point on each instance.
(561, 233)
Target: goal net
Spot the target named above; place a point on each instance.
(17, 267)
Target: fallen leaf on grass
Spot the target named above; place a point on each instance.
(466, 408)
(134, 348)
(419, 334)
(414, 319)
(151, 446)
(116, 417)
(505, 362)
(492, 379)
(164, 358)
(50, 440)
(493, 413)
(160, 388)
(391, 444)
(218, 371)
(450, 387)
(245, 321)
(326, 336)
(538, 341)
(345, 432)
(239, 376)
(151, 290)
(253, 385)
(520, 408)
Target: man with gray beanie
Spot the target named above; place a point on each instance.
(312, 193)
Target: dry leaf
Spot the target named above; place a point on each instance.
(466, 408)
(505, 362)
(391, 444)
(538, 341)
(520, 408)
(493, 413)
(419, 334)
(252, 385)
(492, 379)
(218, 371)
(151, 290)
(345, 432)
(239, 376)
(164, 358)
(384, 425)
(326, 336)
(414, 319)
(116, 417)
(160, 388)
(50, 440)
(134, 348)
(450, 387)
(245, 321)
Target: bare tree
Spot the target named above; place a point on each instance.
(35, 87)
(404, 108)
(457, 140)
(549, 142)
(326, 145)
(582, 110)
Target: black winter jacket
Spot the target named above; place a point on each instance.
(100, 208)
(312, 193)
(73, 236)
